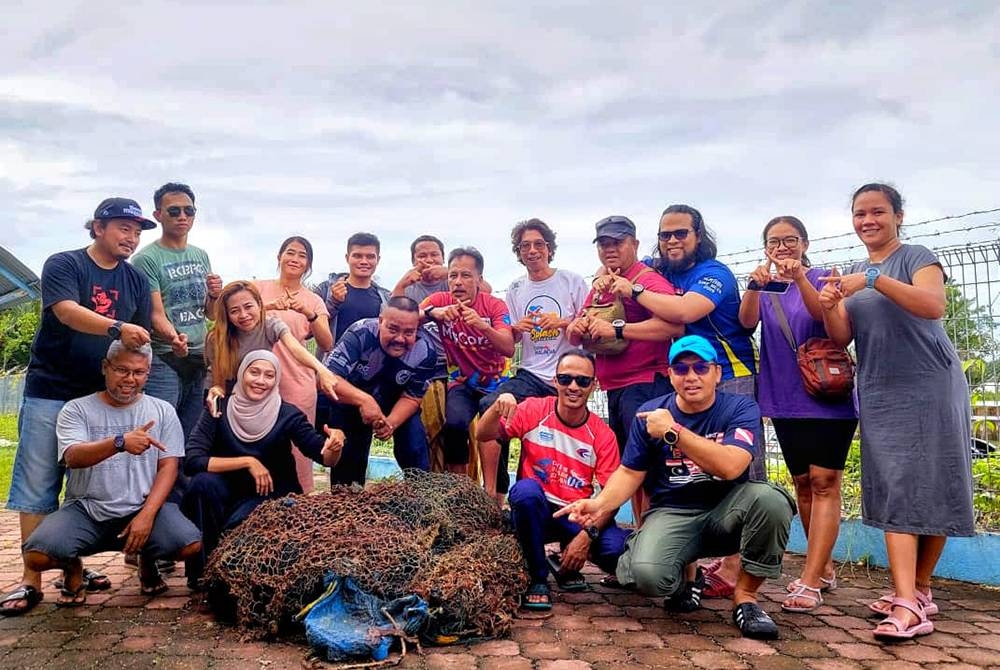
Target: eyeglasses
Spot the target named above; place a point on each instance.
(581, 380)
(128, 372)
(176, 210)
(537, 244)
(681, 234)
(790, 242)
(701, 368)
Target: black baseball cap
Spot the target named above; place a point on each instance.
(617, 227)
(122, 208)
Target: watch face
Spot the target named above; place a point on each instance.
(618, 323)
(638, 288)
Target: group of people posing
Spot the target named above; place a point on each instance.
(175, 403)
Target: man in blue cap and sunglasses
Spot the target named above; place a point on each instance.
(691, 450)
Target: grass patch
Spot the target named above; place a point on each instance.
(6, 466)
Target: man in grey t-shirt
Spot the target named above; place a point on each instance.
(121, 448)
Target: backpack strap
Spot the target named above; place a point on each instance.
(783, 321)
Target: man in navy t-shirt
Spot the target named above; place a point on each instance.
(90, 297)
(385, 365)
(691, 451)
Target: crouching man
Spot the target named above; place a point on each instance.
(691, 450)
(121, 449)
(564, 448)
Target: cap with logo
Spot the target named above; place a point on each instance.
(122, 208)
(616, 227)
(693, 344)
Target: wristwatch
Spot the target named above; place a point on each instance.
(637, 290)
(119, 443)
(427, 313)
(592, 532)
(312, 318)
(115, 330)
(619, 326)
(871, 274)
(672, 434)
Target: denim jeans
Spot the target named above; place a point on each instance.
(37, 477)
(186, 394)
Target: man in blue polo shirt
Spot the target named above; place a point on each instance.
(691, 450)
(385, 365)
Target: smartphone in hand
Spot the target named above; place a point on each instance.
(772, 286)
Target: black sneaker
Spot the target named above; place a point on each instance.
(754, 622)
(688, 599)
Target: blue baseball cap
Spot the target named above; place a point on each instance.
(616, 227)
(122, 208)
(693, 344)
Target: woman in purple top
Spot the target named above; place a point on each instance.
(814, 435)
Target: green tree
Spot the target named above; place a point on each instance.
(970, 328)
(17, 330)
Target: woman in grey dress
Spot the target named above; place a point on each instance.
(916, 478)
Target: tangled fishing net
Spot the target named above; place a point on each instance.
(432, 534)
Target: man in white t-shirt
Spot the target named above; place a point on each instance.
(541, 303)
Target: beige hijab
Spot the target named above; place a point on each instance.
(250, 419)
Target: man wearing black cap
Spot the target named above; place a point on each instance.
(691, 450)
(90, 297)
(637, 371)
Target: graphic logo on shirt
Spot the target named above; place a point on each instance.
(541, 305)
(545, 435)
(584, 454)
(403, 376)
(104, 301)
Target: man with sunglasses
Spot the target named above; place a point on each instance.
(542, 303)
(90, 297)
(183, 290)
(564, 448)
(691, 450)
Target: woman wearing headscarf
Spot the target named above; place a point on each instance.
(244, 456)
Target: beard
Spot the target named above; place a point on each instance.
(682, 263)
(125, 398)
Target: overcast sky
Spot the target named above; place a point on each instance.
(459, 119)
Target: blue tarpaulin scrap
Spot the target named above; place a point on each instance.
(346, 623)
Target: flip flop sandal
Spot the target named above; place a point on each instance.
(570, 581)
(926, 601)
(611, 582)
(803, 592)
(537, 590)
(94, 580)
(29, 594)
(922, 626)
(153, 589)
(825, 584)
(76, 598)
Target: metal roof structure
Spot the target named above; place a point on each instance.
(18, 284)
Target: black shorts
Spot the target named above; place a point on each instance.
(820, 442)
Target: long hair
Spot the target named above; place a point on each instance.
(706, 249)
(224, 336)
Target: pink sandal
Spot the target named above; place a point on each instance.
(923, 626)
(926, 601)
(824, 584)
(803, 592)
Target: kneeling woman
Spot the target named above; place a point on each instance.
(244, 456)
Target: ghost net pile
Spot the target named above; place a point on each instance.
(437, 535)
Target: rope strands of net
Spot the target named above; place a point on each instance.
(434, 534)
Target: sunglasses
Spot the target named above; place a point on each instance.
(175, 211)
(701, 368)
(681, 234)
(581, 380)
(537, 244)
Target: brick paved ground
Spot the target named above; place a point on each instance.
(595, 629)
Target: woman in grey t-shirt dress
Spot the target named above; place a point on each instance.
(913, 398)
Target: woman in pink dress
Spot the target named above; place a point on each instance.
(305, 314)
